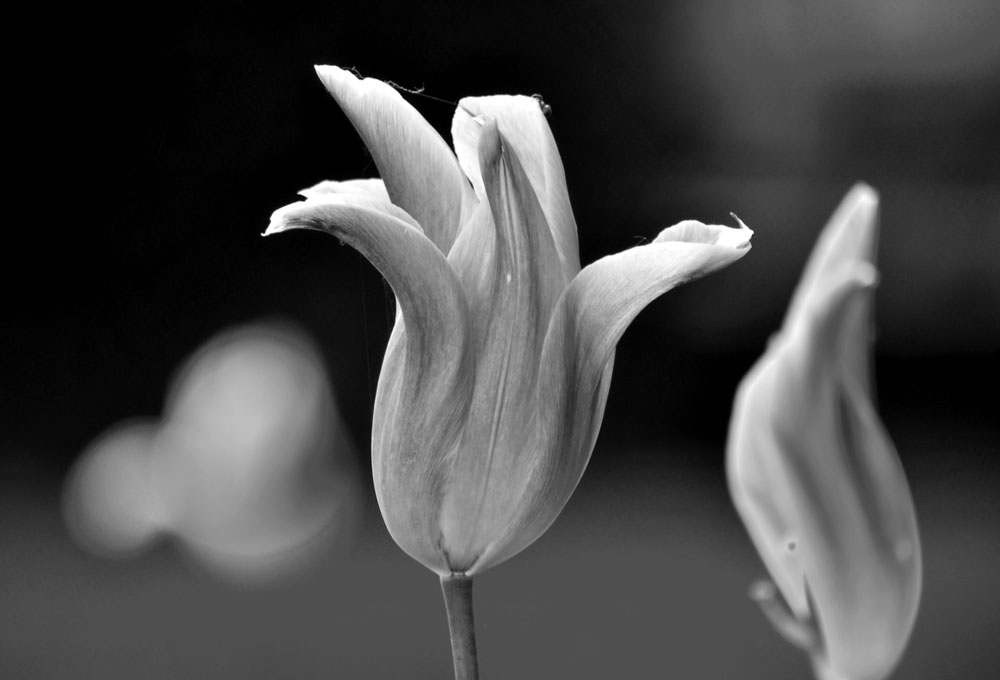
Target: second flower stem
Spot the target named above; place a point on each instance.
(457, 589)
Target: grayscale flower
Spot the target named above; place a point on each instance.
(496, 374)
(814, 474)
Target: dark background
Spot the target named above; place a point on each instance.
(150, 144)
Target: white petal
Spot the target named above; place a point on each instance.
(420, 172)
(512, 274)
(527, 132)
(588, 320)
(374, 188)
(849, 238)
(425, 379)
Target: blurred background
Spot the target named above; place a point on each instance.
(150, 143)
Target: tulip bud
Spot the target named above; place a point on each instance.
(814, 475)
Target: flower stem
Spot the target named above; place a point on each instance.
(822, 670)
(457, 589)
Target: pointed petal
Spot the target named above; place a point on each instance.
(373, 188)
(607, 295)
(466, 128)
(424, 382)
(849, 238)
(527, 132)
(419, 170)
(511, 272)
(587, 322)
(358, 207)
(425, 285)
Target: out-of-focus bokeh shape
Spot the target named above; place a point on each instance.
(111, 501)
(250, 469)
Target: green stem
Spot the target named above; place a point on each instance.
(457, 589)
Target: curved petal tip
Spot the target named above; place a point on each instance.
(863, 193)
(329, 73)
(742, 224)
(736, 238)
(864, 275)
(281, 219)
(693, 231)
(276, 225)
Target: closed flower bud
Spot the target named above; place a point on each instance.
(813, 472)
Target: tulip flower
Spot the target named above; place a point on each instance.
(816, 478)
(496, 373)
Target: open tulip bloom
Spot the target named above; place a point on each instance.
(496, 373)
(815, 476)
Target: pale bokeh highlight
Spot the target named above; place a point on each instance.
(250, 469)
